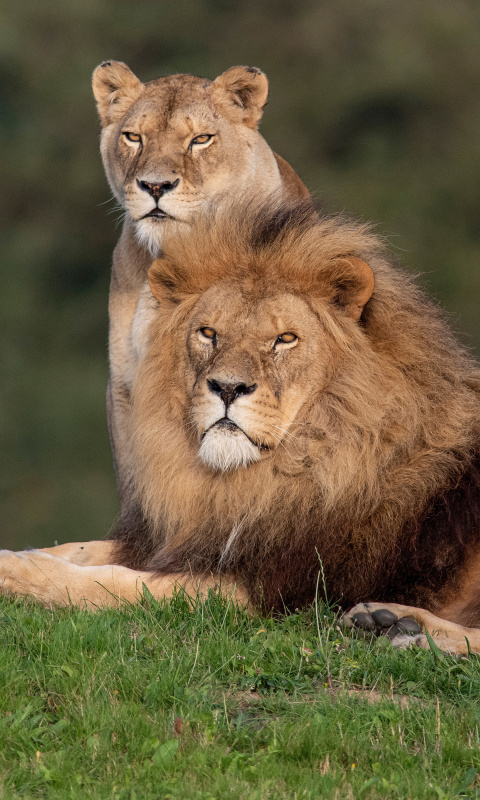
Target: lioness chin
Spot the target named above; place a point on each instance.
(172, 148)
(300, 406)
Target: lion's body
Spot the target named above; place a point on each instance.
(377, 474)
(168, 114)
(287, 421)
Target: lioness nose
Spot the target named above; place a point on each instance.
(157, 190)
(229, 391)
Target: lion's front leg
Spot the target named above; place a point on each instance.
(404, 625)
(55, 581)
(85, 554)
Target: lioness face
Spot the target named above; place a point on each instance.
(249, 371)
(175, 145)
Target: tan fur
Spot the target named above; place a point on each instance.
(354, 458)
(168, 113)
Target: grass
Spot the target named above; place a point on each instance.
(157, 701)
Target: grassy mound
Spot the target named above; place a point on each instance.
(157, 701)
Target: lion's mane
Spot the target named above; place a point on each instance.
(378, 484)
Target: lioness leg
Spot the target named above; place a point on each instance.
(448, 636)
(85, 554)
(56, 581)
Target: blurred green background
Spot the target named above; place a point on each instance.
(375, 103)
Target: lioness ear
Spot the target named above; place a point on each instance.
(353, 287)
(115, 88)
(247, 88)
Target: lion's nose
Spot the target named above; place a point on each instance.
(230, 391)
(157, 190)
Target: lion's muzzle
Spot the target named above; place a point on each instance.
(226, 447)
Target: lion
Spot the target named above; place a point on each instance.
(301, 411)
(171, 148)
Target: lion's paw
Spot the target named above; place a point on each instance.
(403, 632)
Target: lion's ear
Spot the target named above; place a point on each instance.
(115, 88)
(247, 88)
(162, 281)
(169, 284)
(353, 284)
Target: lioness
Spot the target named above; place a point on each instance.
(300, 405)
(171, 148)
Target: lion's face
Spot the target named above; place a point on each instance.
(249, 367)
(243, 347)
(173, 146)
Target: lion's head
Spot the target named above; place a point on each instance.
(174, 145)
(287, 407)
(257, 346)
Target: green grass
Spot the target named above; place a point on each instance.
(156, 701)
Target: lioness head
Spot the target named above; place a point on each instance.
(253, 335)
(173, 145)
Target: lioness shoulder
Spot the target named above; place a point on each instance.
(171, 148)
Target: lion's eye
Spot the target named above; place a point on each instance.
(209, 334)
(286, 339)
(202, 139)
(132, 138)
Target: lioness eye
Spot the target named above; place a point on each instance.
(286, 338)
(208, 333)
(202, 139)
(132, 137)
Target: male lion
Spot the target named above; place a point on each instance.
(171, 147)
(300, 406)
